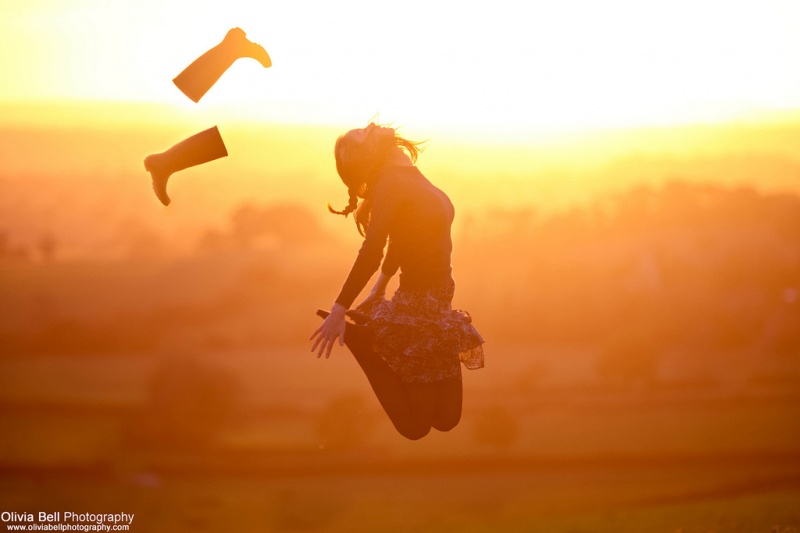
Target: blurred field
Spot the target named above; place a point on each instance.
(562, 458)
(568, 498)
(643, 348)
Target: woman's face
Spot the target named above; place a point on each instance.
(353, 162)
(361, 135)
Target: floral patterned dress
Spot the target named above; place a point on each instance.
(422, 338)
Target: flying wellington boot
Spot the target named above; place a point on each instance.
(203, 73)
(198, 149)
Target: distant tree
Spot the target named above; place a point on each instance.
(47, 247)
(253, 226)
(284, 224)
(189, 403)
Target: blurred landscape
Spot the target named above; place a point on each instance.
(639, 293)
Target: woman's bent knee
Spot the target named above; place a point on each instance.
(447, 421)
(413, 432)
(447, 413)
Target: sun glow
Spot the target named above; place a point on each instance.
(484, 67)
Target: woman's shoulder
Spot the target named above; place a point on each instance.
(395, 178)
(407, 174)
(401, 171)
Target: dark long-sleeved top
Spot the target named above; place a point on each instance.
(414, 217)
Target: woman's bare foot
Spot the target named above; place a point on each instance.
(247, 48)
(159, 177)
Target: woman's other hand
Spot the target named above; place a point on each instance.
(369, 301)
(331, 328)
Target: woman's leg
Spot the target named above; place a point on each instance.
(409, 409)
(447, 406)
(438, 404)
(203, 72)
(198, 149)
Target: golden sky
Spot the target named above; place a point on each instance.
(479, 67)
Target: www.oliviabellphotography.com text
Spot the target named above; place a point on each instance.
(65, 521)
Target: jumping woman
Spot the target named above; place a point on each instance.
(411, 346)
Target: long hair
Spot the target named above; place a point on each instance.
(359, 163)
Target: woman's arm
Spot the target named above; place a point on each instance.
(377, 293)
(386, 199)
(381, 283)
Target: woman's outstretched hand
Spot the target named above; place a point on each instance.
(331, 328)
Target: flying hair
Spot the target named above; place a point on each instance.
(359, 163)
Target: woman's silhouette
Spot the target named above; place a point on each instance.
(411, 346)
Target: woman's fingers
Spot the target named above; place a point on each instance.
(323, 342)
(326, 347)
(316, 343)
(322, 348)
(326, 336)
(316, 332)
